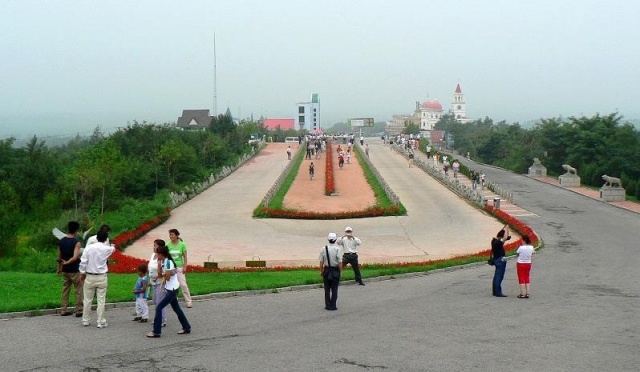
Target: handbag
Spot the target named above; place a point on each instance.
(490, 260)
(332, 273)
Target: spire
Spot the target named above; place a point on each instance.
(458, 90)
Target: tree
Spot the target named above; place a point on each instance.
(410, 127)
(222, 125)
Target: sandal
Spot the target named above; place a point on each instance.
(522, 296)
(153, 335)
(526, 296)
(184, 331)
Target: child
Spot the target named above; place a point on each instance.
(140, 290)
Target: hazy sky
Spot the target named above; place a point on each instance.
(67, 66)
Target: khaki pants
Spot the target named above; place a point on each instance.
(70, 279)
(183, 285)
(94, 284)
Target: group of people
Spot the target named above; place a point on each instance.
(335, 256)
(499, 260)
(86, 270)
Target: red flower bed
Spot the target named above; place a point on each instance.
(308, 215)
(329, 182)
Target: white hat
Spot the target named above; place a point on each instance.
(348, 228)
(332, 236)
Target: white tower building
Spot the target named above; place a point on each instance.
(459, 106)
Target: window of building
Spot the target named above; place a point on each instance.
(301, 119)
(300, 109)
(459, 107)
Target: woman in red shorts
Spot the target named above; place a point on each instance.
(523, 265)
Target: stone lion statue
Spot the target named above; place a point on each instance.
(569, 169)
(612, 181)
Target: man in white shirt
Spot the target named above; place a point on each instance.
(94, 238)
(330, 271)
(350, 245)
(93, 270)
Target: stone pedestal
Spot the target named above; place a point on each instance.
(610, 194)
(537, 170)
(569, 180)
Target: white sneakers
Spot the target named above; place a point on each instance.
(102, 325)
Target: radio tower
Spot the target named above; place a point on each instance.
(215, 79)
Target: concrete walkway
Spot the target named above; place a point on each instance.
(218, 224)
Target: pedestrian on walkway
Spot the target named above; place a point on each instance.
(68, 266)
(93, 267)
(178, 250)
(366, 149)
(474, 179)
(499, 260)
(411, 156)
(171, 286)
(155, 277)
(289, 153)
(456, 168)
(140, 291)
(349, 244)
(523, 266)
(330, 271)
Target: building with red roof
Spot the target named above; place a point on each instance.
(283, 124)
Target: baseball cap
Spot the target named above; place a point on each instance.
(348, 229)
(332, 236)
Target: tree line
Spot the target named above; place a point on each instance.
(596, 145)
(91, 176)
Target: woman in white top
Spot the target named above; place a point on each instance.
(171, 286)
(523, 265)
(155, 277)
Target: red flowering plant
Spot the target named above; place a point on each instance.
(329, 182)
(309, 215)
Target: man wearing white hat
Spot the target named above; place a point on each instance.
(330, 271)
(350, 245)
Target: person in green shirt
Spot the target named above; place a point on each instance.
(178, 250)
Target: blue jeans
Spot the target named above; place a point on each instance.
(169, 299)
(501, 267)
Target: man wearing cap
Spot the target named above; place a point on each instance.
(330, 271)
(350, 245)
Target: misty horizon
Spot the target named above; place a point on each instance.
(73, 66)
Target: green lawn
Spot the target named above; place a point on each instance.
(31, 291)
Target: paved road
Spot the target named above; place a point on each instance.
(583, 315)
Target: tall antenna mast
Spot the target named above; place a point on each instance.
(215, 79)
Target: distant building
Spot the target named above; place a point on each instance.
(459, 106)
(283, 124)
(308, 115)
(194, 120)
(428, 113)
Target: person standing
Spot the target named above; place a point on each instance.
(349, 244)
(140, 293)
(69, 267)
(499, 260)
(93, 269)
(366, 149)
(311, 171)
(289, 153)
(94, 238)
(411, 156)
(330, 272)
(456, 168)
(155, 277)
(523, 266)
(178, 250)
(171, 286)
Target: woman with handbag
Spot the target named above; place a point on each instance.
(330, 271)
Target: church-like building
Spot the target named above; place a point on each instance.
(429, 112)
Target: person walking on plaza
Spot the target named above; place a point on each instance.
(523, 266)
(155, 277)
(178, 250)
(349, 244)
(456, 168)
(171, 285)
(69, 267)
(93, 269)
(140, 291)
(499, 260)
(312, 171)
(366, 149)
(330, 272)
(289, 153)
